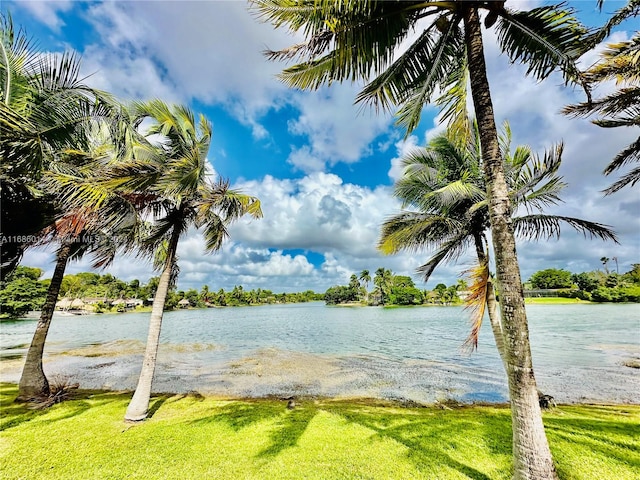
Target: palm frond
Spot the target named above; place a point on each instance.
(626, 156)
(476, 301)
(437, 68)
(536, 227)
(621, 101)
(453, 103)
(631, 9)
(545, 39)
(362, 36)
(534, 182)
(630, 178)
(448, 251)
(413, 231)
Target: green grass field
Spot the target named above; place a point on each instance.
(191, 437)
(554, 301)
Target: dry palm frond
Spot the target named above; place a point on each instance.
(60, 389)
(476, 302)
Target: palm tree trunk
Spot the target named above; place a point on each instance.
(531, 455)
(139, 406)
(33, 382)
(492, 304)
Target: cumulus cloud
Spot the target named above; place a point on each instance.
(337, 130)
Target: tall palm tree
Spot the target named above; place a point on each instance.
(365, 277)
(443, 185)
(182, 195)
(361, 40)
(44, 106)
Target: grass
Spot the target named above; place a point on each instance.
(553, 300)
(189, 436)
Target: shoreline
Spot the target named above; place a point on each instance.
(446, 404)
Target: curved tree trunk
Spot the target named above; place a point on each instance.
(531, 455)
(33, 382)
(139, 406)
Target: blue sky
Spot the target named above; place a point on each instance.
(323, 168)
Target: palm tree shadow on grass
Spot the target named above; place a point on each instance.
(597, 436)
(241, 414)
(15, 414)
(289, 425)
(159, 400)
(429, 440)
(290, 428)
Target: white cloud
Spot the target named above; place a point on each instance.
(337, 130)
(403, 148)
(47, 12)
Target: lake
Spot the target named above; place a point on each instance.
(413, 354)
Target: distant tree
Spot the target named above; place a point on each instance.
(32, 273)
(551, 278)
(403, 281)
(605, 261)
(441, 292)
(365, 278)
(383, 281)
(634, 273)
(586, 282)
(205, 294)
(340, 294)
(22, 292)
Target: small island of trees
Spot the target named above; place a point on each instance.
(390, 289)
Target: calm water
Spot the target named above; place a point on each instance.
(579, 352)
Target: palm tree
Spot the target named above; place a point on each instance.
(383, 280)
(605, 261)
(182, 195)
(77, 235)
(361, 40)
(44, 107)
(365, 277)
(444, 186)
(205, 294)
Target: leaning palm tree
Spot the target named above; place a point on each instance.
(100, 232)
(44, 104)
(77, 234)
(183, 195)
(443, 185)
(363, 40)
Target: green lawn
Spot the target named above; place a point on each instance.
(205, 438)
(553, 300)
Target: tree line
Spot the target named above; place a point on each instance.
(23, 291)
(595, 286)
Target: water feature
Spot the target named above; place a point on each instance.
(581, 352)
